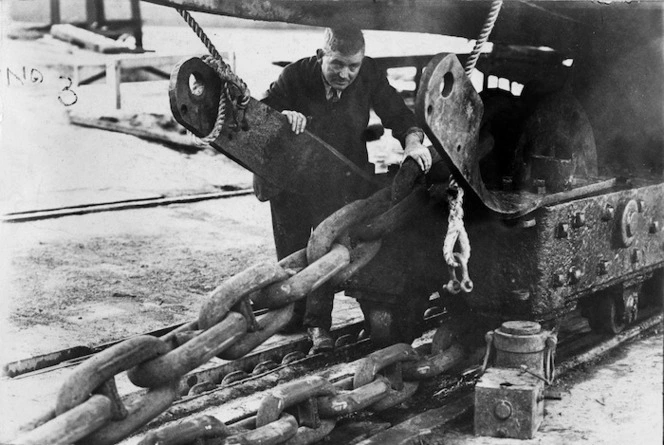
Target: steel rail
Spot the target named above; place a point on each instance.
(36, 215)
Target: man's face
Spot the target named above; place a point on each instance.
(340, 70)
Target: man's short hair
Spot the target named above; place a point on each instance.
(347, 40)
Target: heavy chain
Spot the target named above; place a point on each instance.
(88, 408)
(226, 328)
(380, 381)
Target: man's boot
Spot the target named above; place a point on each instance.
(322, 340)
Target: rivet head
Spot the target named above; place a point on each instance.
(502, 410)
(575, 274)
(563, 230)
(558, 279)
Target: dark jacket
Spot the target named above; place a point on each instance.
(342, 124)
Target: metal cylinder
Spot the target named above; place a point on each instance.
(520, 343)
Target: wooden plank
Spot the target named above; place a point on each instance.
(425, 424)
(87, 39)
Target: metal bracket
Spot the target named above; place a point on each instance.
(450, 111)
(301, 163)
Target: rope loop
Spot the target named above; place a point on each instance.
(238, 100)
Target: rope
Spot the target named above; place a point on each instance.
(455, 228)
(456, 231)
(484, 36)
(216, 62)
(193, 24)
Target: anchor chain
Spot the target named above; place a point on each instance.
(88, 409)
(381, 380)
(226, 328)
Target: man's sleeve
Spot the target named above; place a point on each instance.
(391, 109)
(281, 92)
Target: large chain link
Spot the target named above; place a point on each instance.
(226, 327)
(89, 410)
(381, 380)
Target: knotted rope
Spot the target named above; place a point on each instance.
(227, 76)
(456, 232)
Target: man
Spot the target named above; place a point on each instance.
(331, 95)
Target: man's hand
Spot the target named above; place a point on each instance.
(297, 120)
(417, 151)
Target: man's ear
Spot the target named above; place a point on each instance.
(319, 54)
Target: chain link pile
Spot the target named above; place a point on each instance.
(304, 411)
(88, 408)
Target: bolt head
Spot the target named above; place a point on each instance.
(575, 274)
(603, 267)
(654, 226)
(502, 410)
(558, 279)
(563, 230)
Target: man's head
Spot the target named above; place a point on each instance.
(341, 56)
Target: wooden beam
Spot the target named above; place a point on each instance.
(87, 39)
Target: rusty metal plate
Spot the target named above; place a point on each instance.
(451, 111)
(567, 251)
(300, 163)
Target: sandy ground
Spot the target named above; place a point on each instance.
(615, 401)
(94, 278)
